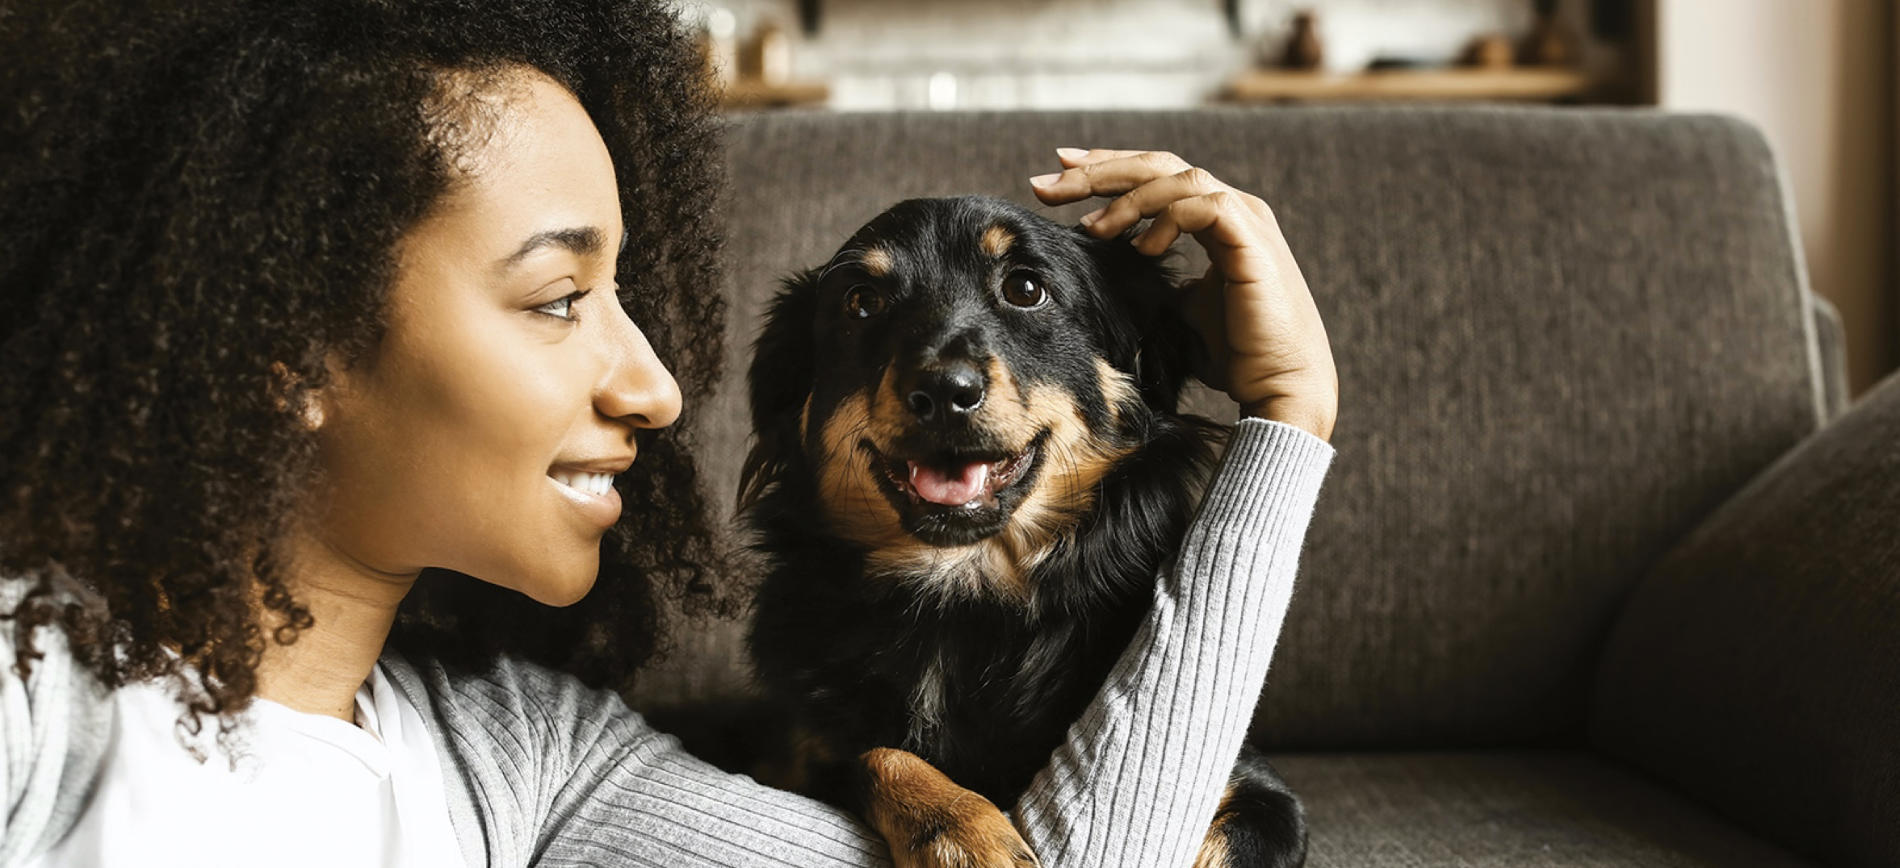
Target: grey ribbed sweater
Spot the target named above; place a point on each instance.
(541, 770)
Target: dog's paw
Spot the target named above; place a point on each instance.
(930, 822)
(974, 837)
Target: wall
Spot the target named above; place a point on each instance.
(1816, 76)
(1095, 53)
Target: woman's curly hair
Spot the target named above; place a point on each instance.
(193, 192)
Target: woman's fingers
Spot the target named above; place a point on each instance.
(1237, 229)
(1267, 345)
(1144, 182)
(1083, 156)
(1226, 224)
(1152, 198)
(1104, 173)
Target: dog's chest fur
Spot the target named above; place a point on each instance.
(984, 690)
(983, 694)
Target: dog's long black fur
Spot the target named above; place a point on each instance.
(981, 676)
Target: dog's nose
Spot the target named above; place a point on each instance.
(946, 393)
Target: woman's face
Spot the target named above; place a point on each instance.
(482, 434)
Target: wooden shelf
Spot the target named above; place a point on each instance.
(1528, 83)
(752, 93)
(811, 14)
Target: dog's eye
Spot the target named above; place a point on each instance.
(863, 302)
(1022, 290)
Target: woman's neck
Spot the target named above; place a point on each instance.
(354, 607)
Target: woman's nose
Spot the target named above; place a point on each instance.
(637, 387)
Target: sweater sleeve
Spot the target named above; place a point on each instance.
(1136, 781)
(1141, 773)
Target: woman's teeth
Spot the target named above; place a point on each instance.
(597, 484)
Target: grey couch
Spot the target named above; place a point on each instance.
(1605, 572)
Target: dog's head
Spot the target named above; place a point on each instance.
(955, 384)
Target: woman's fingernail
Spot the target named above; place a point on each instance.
(1044, 180)
(1090, 218)
(1072, 153)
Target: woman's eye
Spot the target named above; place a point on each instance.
(563, 307)
(863, 302)
(1022, 290)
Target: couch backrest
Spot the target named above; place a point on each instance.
(1563, 336)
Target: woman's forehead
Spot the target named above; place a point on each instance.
(539, 166)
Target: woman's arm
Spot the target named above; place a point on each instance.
(540, 769)
(564, 775)
(1138, 779)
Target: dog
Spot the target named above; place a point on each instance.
(968, 471)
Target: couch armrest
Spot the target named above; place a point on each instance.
(1757, 666)
(1830, 338)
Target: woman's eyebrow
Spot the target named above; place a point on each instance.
(583, 240)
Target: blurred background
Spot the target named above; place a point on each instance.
(1817, 76)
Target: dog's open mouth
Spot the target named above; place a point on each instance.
(951, 498)
(954, 482)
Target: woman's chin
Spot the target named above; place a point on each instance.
(567, 591)
(558, 588)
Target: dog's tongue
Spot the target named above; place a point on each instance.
(954, 488)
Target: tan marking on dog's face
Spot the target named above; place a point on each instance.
(890, 414)
(1074, 462)
(1118, 388)
(876, 261)
(847, 490)
(997, 240)
(1006, 410)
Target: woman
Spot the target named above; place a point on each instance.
(333, 405)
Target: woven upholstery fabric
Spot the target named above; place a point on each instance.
(1831, 336)
(1563, 337)
(1521, 809)
(1758, 667)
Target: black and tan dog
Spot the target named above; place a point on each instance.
(969, 471)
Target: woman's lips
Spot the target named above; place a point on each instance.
(600, 510)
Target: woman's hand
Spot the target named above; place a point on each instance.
(1267, 346)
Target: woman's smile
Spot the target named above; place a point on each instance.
(590, 488)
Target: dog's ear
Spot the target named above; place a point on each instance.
(1151, 337)
(1170, 352)
(779, 381)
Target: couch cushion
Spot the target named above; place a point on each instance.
(1563, 336)
(1758, 666)
(1523, 809)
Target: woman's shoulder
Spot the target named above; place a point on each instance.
(55, 681)
(511, 734)
(55, 725)
(507, 702)
(505, 680)
(51, 663)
